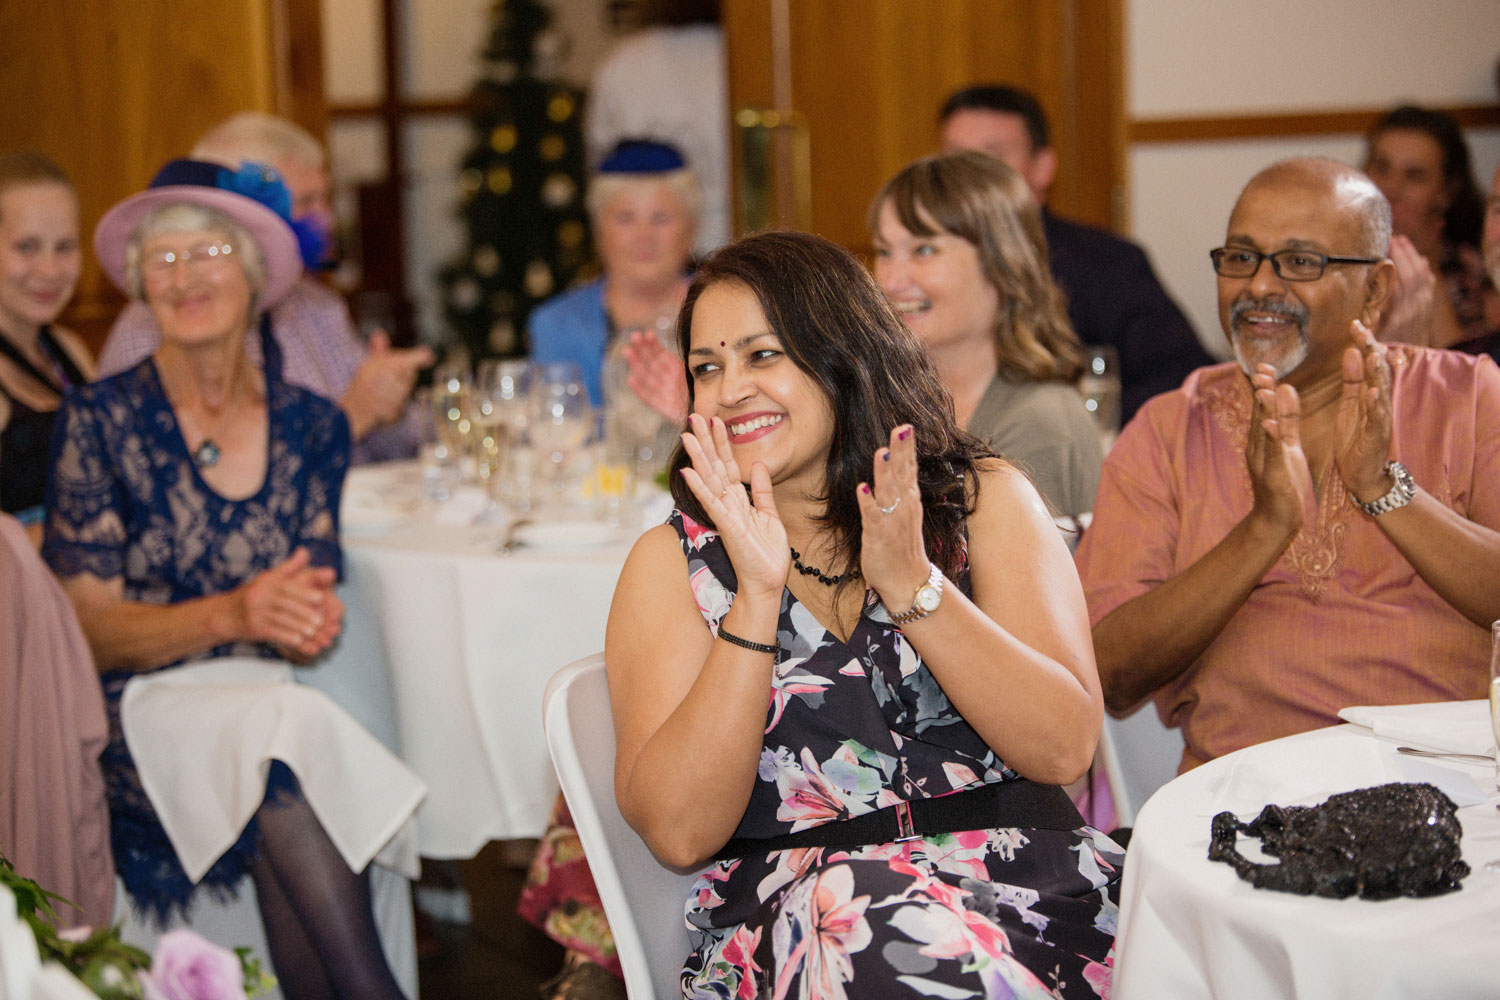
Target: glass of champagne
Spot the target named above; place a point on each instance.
(451, 387)
(1100, 385)
(497, 409)
(1494, 864)
(560, 417)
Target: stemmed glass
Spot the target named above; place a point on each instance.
(498, 408)
(451, 387)
(1494, 865)
(560, 418)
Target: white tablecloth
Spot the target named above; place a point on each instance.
(1190, 928)
(457, 643)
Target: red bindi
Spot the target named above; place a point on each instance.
(721, 343)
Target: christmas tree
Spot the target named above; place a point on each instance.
(520, 188)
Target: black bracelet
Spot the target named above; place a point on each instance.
(758, 647)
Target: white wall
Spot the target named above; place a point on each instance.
(1201, 58)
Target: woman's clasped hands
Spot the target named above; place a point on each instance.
(292, 605)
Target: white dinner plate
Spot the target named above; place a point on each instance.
(568, 535)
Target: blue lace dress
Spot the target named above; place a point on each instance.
(126, 500)
(852, 727)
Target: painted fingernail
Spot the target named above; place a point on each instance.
(905, 433)
(885, 456)
(864, 488)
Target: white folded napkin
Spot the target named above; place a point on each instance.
(1449, 726)
(203, 736)
(463, 507)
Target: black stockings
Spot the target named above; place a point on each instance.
(319, 923)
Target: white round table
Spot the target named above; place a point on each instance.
(1190, 928)
(448, 646)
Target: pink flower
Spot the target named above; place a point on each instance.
(739, 951)
(186, 967)
(1100, 976)
(835, 929)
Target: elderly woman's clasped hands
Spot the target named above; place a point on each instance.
(292, 605)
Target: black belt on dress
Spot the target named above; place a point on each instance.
(1018, 803)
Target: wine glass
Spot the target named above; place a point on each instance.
(560, 417)
(451, 386)
(1100, 385)
(1494, 865)
(497, 408)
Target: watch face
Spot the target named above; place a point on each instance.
(928, 598)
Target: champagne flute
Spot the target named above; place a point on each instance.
(451, 386)
(498, 408)
(1100, 385)
(560, 417)
(1494, 864)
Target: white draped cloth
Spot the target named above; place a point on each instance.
(204, 735)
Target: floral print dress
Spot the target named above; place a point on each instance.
(853, 727)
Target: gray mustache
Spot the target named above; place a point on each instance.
(1296, 313)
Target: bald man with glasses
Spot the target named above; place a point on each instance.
(1313, 525)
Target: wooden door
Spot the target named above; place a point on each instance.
(112, 89)
(866, 78)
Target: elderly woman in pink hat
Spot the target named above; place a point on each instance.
(192, 514)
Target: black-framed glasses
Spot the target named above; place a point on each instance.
(1292, 265)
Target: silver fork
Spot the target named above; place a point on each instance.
(511, 542)
(1482, 758)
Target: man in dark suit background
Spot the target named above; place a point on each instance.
(1114, 297)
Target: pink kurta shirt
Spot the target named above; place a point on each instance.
(1342, 618)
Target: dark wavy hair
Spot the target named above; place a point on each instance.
(1463, 222)
(837, 326)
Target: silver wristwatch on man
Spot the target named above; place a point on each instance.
(1401, 492)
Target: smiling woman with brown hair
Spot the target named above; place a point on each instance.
(39, 264)
(959, 250)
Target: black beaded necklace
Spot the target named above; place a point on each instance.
(819, 575)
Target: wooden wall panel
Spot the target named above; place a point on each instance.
(870, 76)
(112, 89)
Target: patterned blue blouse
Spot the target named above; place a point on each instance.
(126, 500)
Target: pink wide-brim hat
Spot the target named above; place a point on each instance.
(194, 181)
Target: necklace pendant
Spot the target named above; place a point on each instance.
(206, 455)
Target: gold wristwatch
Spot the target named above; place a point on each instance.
(925, 601)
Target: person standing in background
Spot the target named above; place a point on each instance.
(668, 82)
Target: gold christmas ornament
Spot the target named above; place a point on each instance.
(503, 138)
(561, 107)
(486, 261)
(499, 180)
(538, 279)
(503, 336)
(570, 233)
(558, 190)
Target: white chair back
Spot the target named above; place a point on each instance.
(1140, 755)
(643, 900)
